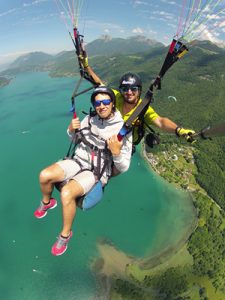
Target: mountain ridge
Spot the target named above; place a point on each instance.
(202, 54)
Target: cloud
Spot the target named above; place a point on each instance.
(137, 2)
(152, 32)
(164, 14)
(204, 33)
(222, 24)
(8, 12)
(207, 35)
(103, 25)
(213, 17)
(138, 30)
(169, 2)
(143, 5)
(36, 2)
(208, 27)
(207, 8)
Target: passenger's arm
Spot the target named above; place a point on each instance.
(121, 152)
(76, 124)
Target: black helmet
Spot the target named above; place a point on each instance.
(131, 79)
(103, 90)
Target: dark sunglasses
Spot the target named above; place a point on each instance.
(126, 88)
(104, 102)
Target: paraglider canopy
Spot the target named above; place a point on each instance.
(200, 19)
(172, 98)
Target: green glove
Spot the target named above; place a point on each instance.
(83, 58)
(185, 133)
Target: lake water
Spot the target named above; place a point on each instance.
(140, 213)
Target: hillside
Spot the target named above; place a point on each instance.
(119, 46)
(65, 63)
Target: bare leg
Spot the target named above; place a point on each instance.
(69, 193)
(48, 177)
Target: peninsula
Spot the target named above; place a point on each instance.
(4, 81)
(190, 270)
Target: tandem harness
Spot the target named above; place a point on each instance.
(151, 138)
(95, 195)
(102, 155)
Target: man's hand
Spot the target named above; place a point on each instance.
(185, 133)
(114, 145)
(84, 60)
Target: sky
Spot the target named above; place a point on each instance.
(43, 25)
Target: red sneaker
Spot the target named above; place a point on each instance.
(61, 245)
(41, 212)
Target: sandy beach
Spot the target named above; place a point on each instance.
(113, 261)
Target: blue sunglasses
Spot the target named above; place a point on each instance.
(104, 102)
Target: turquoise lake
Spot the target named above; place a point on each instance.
(140, 214)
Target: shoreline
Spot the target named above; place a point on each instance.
(5, 81)
(113, 262)
(137, 273)
(108, 250)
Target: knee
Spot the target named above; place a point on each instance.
(67, 196)
(45, 176)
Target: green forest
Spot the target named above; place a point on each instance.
(198, 83)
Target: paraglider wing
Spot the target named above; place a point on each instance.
(173, 98)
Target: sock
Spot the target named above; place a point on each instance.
(46, 203)
(64, 237)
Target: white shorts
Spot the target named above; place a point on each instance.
(85, 178)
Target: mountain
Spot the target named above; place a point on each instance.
(65, 63)
(138, 54)
(112, 46)
(209, 46)
(4, 66)
(34, 61)
(199, 75)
